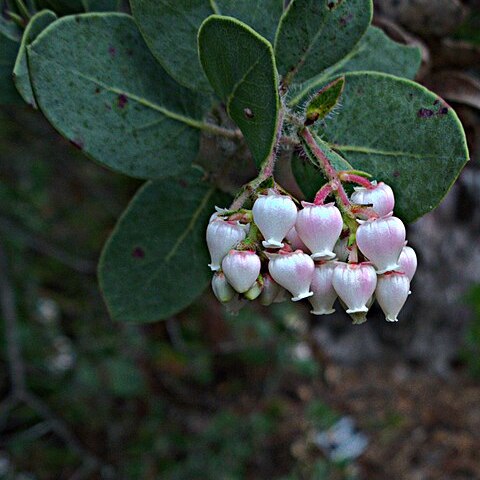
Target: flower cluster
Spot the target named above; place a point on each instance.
(318, 252)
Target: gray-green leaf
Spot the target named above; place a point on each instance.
(170, 28)
(21, 74)
(402, 134)
(375, 52)
(78, 6)
(155, 263)
(315, 34)
(240, 66)
(262, 15)
(105, 92)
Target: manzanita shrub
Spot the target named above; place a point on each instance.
(310, 81)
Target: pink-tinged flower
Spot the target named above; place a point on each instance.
(408, 262)
(274, 215)
(241, 269)
(222, 236)
(293, 271)
(381, 240)
(270, 291)
(295, 241)
(355, 284)
(341, 249)
(380, 197)
(319, 226)
(324, 295)
(392, 292)
(221, 288)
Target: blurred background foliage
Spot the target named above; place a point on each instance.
(268, 394)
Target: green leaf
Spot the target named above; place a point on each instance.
(107, 94)
(78, 6)
(316, 34)
(309, 178)
(170, 28)
(402, 134)
(21, 74)
(324, 101)
(240, 66)
(155, 262)
(10, 36)
(375, 52)
(262, 15)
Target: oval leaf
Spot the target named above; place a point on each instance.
(422, 150)
(170, 28)
(240, 66)
(315, 34)
(262, 15)
(21, 74)
(107, 94)
(155, 262)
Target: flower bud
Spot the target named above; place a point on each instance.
(295, 241)
(241, 269)
(341, 249)
(392, 292)
(324, 295)
(319, 226)
(221, 288)
(293, 271)
(408, 262)
(221, 237)
(381, 240)
(270, 291)
(380, 197)
(274, 215)
(354, 284)
(255, 290)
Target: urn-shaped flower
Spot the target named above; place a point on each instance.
(221, 288)
(274, 215)
(355, 284)
(380, 197)
(324, 295)
(271, 290)
(319, 226)
(408, 262)
(241, 269)
(222, 236)
(293, 271)
(392, 292)
(295, 241)
(381, 240)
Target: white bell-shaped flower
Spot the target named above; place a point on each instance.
(241, 269)
(222, 236)
(381, 240)
(355, 284)
(324, 295)
(221, 288)
(270, 291)
(392, 293)
(293, 271)
(254, 291)
(380, 197)
(341, 249)
(319, 226)
(408, 262)
(274, 215)
(295, 241)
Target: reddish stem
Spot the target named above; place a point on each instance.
(350, 178)
(322, 194)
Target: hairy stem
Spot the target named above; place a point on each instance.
(221, 131)
(352, 178)
(322, 194)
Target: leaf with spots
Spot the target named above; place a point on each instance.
(105, 92)
(21, 74)
(155, 262)
(402, 134)
(170, 29)
(240, 66)
(315, 34)
(10, 36)
(262, 15)
(375, 52)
